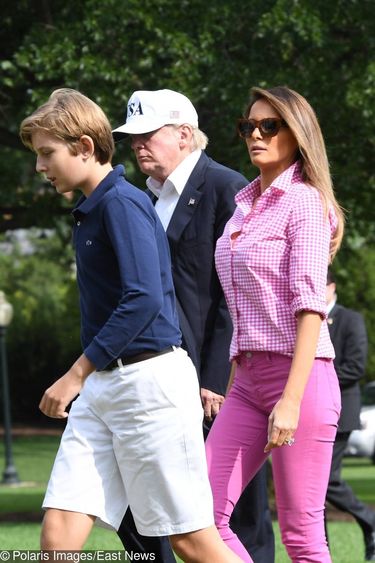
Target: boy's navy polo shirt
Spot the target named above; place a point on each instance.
(124, 274)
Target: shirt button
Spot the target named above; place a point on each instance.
(248, 354)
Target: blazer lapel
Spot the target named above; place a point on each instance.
(331, 320)
(188, 202)
(183, 213)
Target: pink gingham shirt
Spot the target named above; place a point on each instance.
(277, 265)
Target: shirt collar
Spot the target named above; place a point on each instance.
(331, 305)
(290, 176)
(178, 178)
(86, 204)
(280, 184)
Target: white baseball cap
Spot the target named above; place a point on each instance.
(149, 110)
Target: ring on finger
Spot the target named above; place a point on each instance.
(289, 442)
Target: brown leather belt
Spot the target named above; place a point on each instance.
(137, 358)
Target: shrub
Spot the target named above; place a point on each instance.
(355, 278)
(43, 337)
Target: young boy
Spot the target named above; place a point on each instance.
(119, 447)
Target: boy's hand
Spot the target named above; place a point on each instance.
(57, 397)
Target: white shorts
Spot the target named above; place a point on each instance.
(134, 437)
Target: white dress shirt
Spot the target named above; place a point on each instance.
(331, 304)
(169, 192)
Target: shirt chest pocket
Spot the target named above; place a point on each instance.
(262, 256)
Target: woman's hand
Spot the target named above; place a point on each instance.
(283, 420)
(282, 423)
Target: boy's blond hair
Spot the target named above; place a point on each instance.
(68, 115)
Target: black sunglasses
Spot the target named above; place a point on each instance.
(268, 127)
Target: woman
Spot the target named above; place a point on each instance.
(272, 262)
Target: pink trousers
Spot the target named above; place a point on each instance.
(235, 445)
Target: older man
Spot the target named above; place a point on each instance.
(194, 198)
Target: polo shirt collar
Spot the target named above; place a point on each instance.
(86, 204)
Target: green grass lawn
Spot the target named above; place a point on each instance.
(34, 456)
(346, 541)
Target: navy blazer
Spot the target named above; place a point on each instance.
(204, 207)
(347, 330)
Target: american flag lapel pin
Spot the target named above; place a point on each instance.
(191, 201)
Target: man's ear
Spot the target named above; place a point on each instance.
(186, 133)
(86, 146)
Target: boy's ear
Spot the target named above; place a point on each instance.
(86, 146)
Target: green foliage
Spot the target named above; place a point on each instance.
(213, 52)
(43, 338)
(354, 270)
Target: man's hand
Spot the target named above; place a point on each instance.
(211, 403)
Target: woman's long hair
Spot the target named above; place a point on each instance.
(303, 123)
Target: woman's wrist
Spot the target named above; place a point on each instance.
(292, 396)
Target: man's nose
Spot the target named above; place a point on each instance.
(136, 141)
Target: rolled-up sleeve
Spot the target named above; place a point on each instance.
(310, 236)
